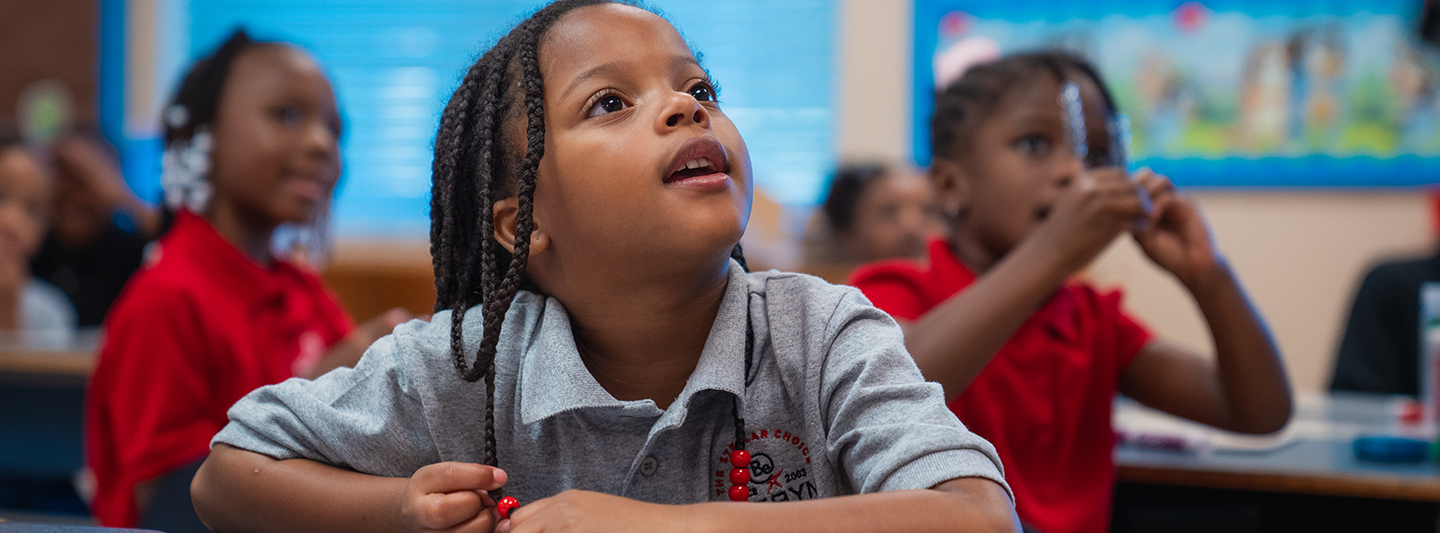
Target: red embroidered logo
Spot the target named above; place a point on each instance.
(312, 349)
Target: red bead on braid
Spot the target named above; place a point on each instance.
(739, 476)
(739, 458)
(507, 505)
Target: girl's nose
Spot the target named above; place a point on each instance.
(1068, 168)
(682, 109)
(321, 140)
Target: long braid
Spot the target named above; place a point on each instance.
(470, 176)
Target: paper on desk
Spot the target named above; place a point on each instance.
(1136, 423)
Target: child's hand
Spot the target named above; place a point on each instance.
(348, 351)
(1090, 213)
(1177, 238)
(581, 511)
(99, 173)
(366, 334)
(452, 497)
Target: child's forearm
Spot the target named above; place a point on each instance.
(952, 343)
(966, 504)
(1252, 378)
(238, 490)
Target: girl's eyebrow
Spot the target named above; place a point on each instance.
(615, 67)
(1028, 118)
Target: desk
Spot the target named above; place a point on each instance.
(1316, 457)
(72, 360)
(42, 406)
(22, 527)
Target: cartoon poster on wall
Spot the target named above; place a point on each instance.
(1226, 93)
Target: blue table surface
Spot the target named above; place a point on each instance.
(1322, 446)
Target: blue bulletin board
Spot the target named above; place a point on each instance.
(1226, 93)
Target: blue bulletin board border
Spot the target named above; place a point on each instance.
(1307, 171)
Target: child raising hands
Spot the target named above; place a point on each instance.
(1031, 361)
(622, 368)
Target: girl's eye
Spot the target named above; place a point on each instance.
(702, 93)
(290, 115)
(607, 104)
(1033, 144)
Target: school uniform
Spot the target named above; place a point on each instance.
(833, 405)
(195, 330)
(1044, 400)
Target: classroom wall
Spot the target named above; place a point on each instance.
(1300, 253)
(52, 40)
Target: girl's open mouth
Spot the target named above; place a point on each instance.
(701, 157)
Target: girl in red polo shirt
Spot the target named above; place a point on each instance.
(251, 144)
(1029, 360)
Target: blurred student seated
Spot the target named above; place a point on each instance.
(872, 212)
(100, 229)
(31, 310)
(1380, 351)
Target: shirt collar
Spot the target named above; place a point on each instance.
(951, 275)
(1056, 315)
(198, 243)
(553, 379)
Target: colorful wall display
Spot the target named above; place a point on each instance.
(1228, 93)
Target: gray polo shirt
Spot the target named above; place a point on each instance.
(834, 406)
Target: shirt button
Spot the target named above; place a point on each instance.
(648, 466)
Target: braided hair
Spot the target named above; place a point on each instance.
(964, 105)
(199, 92)
(477, 164)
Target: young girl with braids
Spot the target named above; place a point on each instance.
(1032, 361)
(622, 371)
(251, 144)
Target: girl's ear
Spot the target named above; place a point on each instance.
(952, 186)
(507, 212)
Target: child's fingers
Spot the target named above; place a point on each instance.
(454, 477)
(482, 522)
(1157, 185)
(520, 515)
(442, 495)
(447, 511)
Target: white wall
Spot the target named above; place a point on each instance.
(1299, 253)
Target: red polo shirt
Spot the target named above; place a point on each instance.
(1044, 401)
(192, 332)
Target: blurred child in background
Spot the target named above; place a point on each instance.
(251, 144)
(31, 311)
(1029, 359)
(1380, 351)
(872, 212)
(87, 254)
